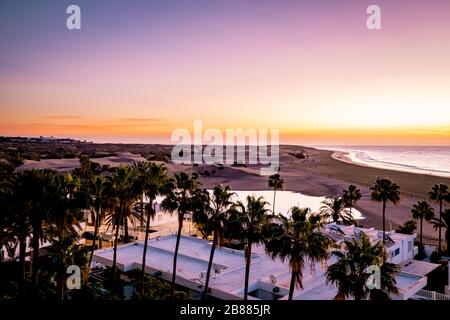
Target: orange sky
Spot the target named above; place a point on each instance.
(312, 70)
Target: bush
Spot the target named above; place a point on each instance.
(407, 228)
(435, 257)
(156, 289)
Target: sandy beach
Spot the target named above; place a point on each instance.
(320, 173)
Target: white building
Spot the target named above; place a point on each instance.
(80, 228)
(269, 279)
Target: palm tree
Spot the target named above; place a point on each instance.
(99, 202)
(385, 190)
(351, 196)
(15, 193)
(439, 193)
(179, 195)
(444, 222)
(299, 240)
(336, 209)
(65, 251)
(276, 183)
(212, 210)
(123, 193)
(252, 217)
(422, 210)
(350, 274)
(152, 181)
(67, 201)
(8, 238)
(35, 182)
(140, 172)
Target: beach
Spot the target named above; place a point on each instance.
(319, 173)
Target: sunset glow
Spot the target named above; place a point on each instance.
(314, 71)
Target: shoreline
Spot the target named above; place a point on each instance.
(317, 174)
(322, 175)
(344, 156)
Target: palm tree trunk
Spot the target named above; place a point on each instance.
(34, 272)
(175, 256)
(114, 267)
(126, 237)
(211, 257)
(22, 253)
(248, 256)
(447, 235)
(384, 222)
(292, 285)
(440, 225)
(60, 287)
(142, 210)
(97, 225)
(274, 195)
(421, 231)
(144, 255)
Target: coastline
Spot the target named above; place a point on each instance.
(318, 174)
(345, 156)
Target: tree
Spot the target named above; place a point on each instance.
(252, 217)
(385, 190)
(86, 171)
(151, 181)
(99, 201)
(33, 185)
(336, 209)
(439, 193)
(444, 222)
(298, 240)
(351, 273)
(67, 202)
(422, 210)
(276, 183)
(64, 252)
(15, 206)
(141, 174)
(179, 195)
(8, 239)
(213, 211)
(123, 193)
(407, 228)
(351, 196)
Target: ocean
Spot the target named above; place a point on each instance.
(425, 160)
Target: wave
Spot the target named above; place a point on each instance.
(423, 160)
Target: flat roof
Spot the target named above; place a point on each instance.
(227, 277)
(417, 268)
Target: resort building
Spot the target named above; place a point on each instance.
(269, 279)
(11, 251)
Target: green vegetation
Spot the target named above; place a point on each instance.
(351, 272)
(47, 205)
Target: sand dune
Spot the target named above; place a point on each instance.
(319, 174)
(64, 165)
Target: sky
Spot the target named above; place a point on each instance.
(137, 70)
